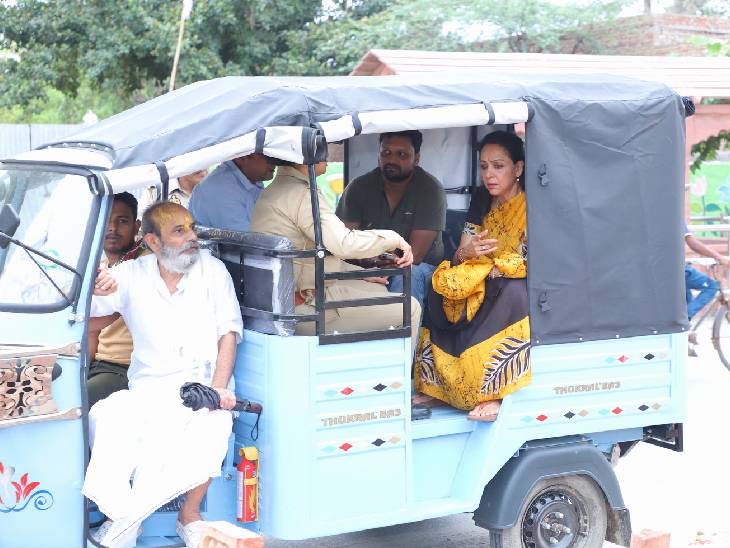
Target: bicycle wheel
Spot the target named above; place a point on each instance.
(721, 334)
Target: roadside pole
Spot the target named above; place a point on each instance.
(187, 6)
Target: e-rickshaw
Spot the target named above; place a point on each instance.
(337, 449)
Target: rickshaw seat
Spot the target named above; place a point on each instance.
(262, 282)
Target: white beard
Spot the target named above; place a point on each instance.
(173, 259)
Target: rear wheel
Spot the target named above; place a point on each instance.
(721, 335)
(567, 512)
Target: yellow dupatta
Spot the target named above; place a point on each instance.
(463, 286)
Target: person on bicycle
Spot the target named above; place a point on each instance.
(696, 280)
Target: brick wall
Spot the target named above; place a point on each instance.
(662, 34)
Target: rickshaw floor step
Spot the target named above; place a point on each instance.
(159, 542)
(443, 421)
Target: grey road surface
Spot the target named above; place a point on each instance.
(685, 493)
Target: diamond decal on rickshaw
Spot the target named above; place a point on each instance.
(643, 407)
(610, 360)
(542, 418)
(623, 359)
(526, 419)
(616, 410)
(379, 387)
(346, 447)
(583, 413)
(396, 385)
(347, 391)
(394, 439)
(330, 393)
(649, 356)
(378, 442)
(328, 449)
(569, 415)
(604, 412)
(656, 406)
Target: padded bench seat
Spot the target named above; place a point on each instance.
(261, 282)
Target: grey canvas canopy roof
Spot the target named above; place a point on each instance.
(211, 112)
(604, 171)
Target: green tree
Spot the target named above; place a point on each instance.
(126, 47)
(335, 44)
(67, 54)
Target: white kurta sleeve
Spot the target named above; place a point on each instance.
(227, 310)
(103, 306)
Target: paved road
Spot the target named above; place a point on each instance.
(686, 493)
(683, 493)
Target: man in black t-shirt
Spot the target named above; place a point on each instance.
(398, 195)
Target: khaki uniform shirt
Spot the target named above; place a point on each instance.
(115, 341)
(115, 344)
(179, 196)
(285, 209)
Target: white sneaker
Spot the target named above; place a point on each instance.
(102, 531)
(109, 536)
(190, 533)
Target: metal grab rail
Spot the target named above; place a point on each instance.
(69, 414)
(323, 304)
(9, 351)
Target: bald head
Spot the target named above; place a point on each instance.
(161, 213)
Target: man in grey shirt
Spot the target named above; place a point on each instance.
(398, 195)
(226, 197)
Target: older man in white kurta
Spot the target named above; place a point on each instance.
(181, 308)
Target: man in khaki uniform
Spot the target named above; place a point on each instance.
(284, 209)
(111, 348)
(185, 186)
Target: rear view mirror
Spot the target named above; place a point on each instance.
(9, 223)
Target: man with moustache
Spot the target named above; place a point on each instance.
(226, 198)
(111, 348)
(181, 309)
(399, 195)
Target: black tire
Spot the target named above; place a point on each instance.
(721, 335)
(577, 499)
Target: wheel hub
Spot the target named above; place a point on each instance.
(552, 521)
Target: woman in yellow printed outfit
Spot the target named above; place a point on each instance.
(474, 348)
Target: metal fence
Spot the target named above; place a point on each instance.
(17, 138)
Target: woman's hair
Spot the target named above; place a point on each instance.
(515, 150)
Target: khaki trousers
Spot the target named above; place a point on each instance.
(363, 318)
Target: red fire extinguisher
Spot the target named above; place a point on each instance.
(248, 484)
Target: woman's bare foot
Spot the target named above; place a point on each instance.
(425, 400)
(486, 412)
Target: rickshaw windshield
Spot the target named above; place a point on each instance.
(51, 212)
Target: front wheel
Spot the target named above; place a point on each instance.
(566, 512)
(721, 335)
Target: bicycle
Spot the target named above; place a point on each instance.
(719, 308)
